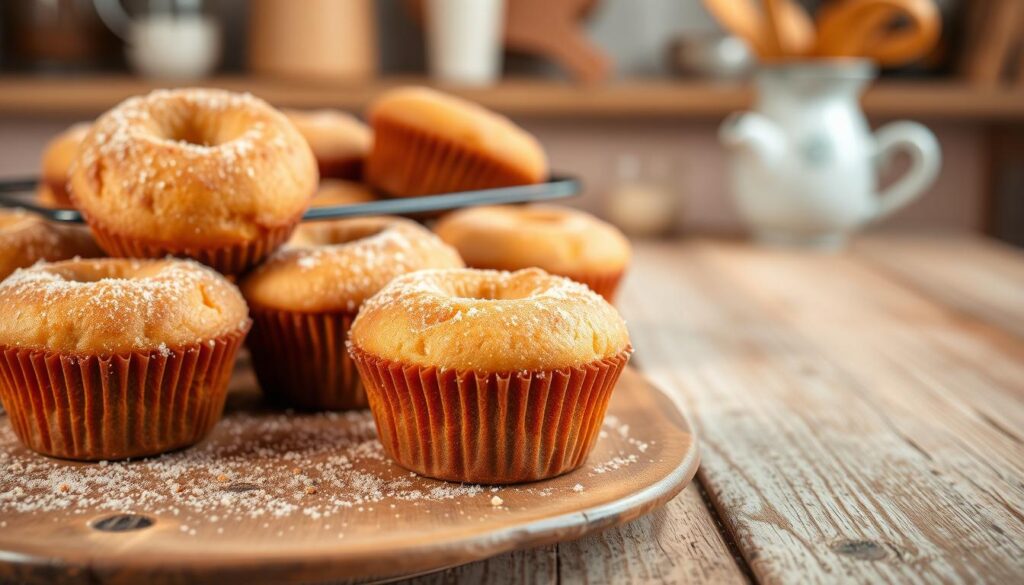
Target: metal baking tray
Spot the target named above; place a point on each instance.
(13, 193)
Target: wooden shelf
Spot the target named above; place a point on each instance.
(86, 96)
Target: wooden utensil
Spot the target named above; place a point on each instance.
(552, 28)
(865, 28)
(776, 29)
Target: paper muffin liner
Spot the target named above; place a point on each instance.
(231, 259)
(492, 428)
(605, 284)
(406, 162)
(348, 168)
(300, 359)
(92, 407)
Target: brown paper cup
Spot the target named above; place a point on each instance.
(301, 361)
(349, 168)
(604, 284)
(91, 407)
(406, 162)
(229, 259)
(488, 428)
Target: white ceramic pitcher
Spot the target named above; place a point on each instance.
(804, 164)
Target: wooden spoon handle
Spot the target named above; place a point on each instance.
(854, 28)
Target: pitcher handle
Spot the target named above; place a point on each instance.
(925, 159)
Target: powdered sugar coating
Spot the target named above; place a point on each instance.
(194, 167)
(279, 469)
(489, 321)
(110, 306)
(336, 265)
(26, 238)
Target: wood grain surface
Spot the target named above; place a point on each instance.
(274, 497)
(860, 417)
(981, 278)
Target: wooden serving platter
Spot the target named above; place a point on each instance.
(290, 497)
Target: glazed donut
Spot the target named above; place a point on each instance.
(561, 240)
(489, 321)
(339, 141)
(305, 297)
(57, 159)
(208, 174)
(26, 238)
(128, 357)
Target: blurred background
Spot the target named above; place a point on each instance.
(627, 94)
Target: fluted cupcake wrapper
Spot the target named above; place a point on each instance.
(91, 407)
(348, 168)
(300, 359)
(604, 284)
(407, 162)
(488, 428)
(230, 259)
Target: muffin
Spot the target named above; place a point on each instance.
(304, 298)
(339, 141)
(486, 376)
(219, 177)
(338, 192)
(26, 238)
(113, 358)
(57, 159)
(426, 142)
(561, 240)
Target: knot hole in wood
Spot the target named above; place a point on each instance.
(865, 550)
(122, 523)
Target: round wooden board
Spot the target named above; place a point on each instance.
(284, 497)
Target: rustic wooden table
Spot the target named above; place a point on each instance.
(862, 418)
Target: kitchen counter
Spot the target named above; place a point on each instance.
(861, 417)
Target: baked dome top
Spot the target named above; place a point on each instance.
(195, 167)
(489, 321)
(465, 123)
(336, 265)
(26, 238)
(111, 306)
(558, 239)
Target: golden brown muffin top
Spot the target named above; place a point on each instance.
(194, 167)
(26, 238)
(113, 306)
(489, 321)
(61, 151)
(341, 192)
(336, 265)
(333, 135)
(558, 239)
(465, 123)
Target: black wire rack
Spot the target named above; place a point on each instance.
(15, 193)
